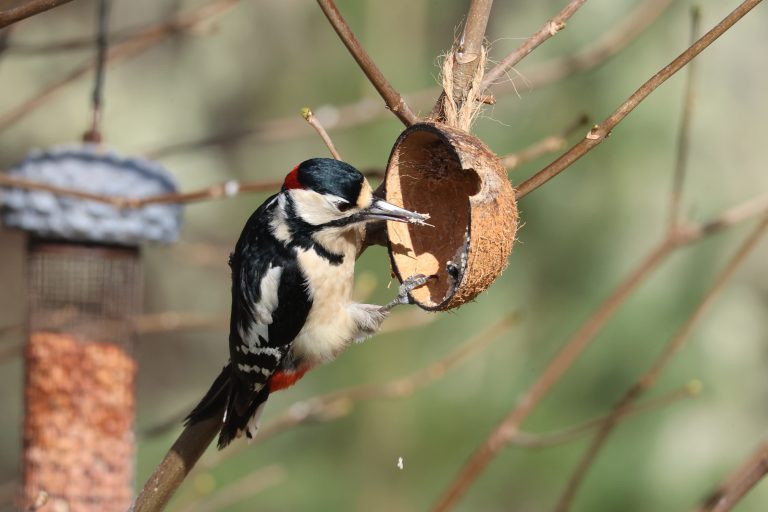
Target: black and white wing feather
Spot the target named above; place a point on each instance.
(269, 307)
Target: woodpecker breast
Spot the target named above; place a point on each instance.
(330, 327)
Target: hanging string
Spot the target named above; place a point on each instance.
(102, 45)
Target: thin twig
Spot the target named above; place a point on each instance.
(649, 378)
(163, 322)
(549, 29)
(309, 117)
(226, 190)
(97, 96)
(595, 53)
(565, 358)
(339, 403)
(568, 434)
(335, 405)
(50, 48)
(599, 132)
(175, 321)
(132, 47)
(26, 9)
(239, 490)
(194, 439)
(739, 483)
(510, 425)
(392, 98)
(367, 109)
(546, 145)
(684, 137)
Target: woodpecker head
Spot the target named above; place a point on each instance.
(328, 193)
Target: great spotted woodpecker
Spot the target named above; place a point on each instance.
(292, 278)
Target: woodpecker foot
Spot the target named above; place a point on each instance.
(410, 284)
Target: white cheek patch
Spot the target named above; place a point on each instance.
(318, 209)
(313, 208)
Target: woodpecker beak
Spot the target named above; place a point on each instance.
(382, 210)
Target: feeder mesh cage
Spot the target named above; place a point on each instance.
(80, 373)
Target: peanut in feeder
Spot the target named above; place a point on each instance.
(456, 179)
(84, 288)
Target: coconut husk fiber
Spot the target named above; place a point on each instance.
(455, 178)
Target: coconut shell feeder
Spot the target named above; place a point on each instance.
(456, 179)
(84, 289)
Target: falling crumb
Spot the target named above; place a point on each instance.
(400, 463)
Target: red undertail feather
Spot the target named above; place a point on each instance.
(282, 380)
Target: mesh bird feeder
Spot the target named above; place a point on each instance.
(84, 289)
(455, 178)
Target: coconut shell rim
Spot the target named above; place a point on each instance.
(467, 247)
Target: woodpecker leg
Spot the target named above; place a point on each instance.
(370, 317)
(410, 284)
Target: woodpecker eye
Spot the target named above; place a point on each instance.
(341, 204)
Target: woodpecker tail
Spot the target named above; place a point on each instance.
(242, 411)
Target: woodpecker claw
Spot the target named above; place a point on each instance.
(409, 284)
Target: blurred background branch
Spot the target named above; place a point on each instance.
(126, 49)
(599, 132)
(578, 236)
(549, 29)
(677, 234)
(649, 378)
(392, 98)
(26, 9)
(739, 483)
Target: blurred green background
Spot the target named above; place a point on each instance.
(580, 235)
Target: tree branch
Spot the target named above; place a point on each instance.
(391, 97)
(549, 29)
(546, 145)
(310, 118)
(510, 425)
(683, 140)
(367, 110)
(337, 404)
(239, 490)
(649, 378)
(131, 47)
(228, 189)
(27, 9)
(596, 53)
(193, 440)
(466, 57)
(568, 434)
(599, 132)
(177, 463)
(739, 483)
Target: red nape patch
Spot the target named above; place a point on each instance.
(292, 179)
(282, 380)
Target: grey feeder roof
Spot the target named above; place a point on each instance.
(97, 170)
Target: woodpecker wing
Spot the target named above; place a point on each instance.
(269, 307)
